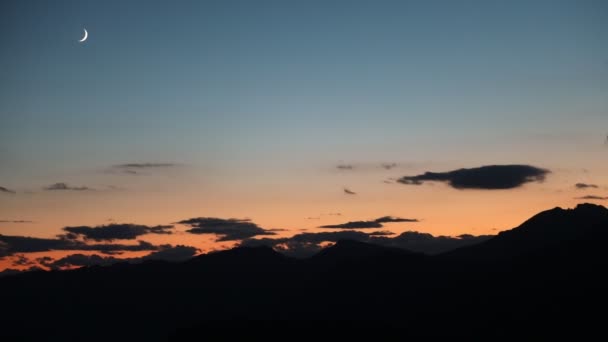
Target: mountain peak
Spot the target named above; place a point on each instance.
(242, 256)
(354, 250)
(591, 207)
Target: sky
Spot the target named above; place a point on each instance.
(288, 113)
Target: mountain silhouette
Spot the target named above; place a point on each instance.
(554, 229)
(542, 279)
(356, 251)
(241, 258)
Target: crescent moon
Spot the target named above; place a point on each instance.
(86, 35)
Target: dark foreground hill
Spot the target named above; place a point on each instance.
(545, 278)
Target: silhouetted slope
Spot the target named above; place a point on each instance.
(537, 280)
(586, 224)
(352, 251)
(240, 258)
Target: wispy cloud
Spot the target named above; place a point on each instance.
(16, 221)
(345, 167)
(137, 168)
(377, 223)
(585, 186)
(592, 198)
(67, 187)
(349, 192)
(7, 190)
(388, 166)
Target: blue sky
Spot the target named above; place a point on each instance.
(244, 92)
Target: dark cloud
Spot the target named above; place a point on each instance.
(307, 244)
(585, 186)
(381, 233)
(226, 229)
(66, 187)
(490, 177)
(349, 192)
(355, 224)
(10, 245)
(328, 236)
(165, 253)
(22, 260)
(389, 219)
(172, 253)
(114, 231)
(44, 259)
(79, 260)
(7, 191)
(345, 167)
(22, 244)
(16, 221)
(592, 197)
(114, 248)
(377, 223)
(388, 166)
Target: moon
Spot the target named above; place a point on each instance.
(86, 35)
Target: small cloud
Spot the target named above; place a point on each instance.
(377, 223)
(7, 191)
(16, 221)
(144, 165)
(136, 168)
(78, 260)
(345, 167)
(227, 229)
(349, 192)
(355, 225)
(164, 253)
(22, 260)
(492, 177)
(592, 197)
(585, 186)
(113, 231)
(10, 245)
(66, 187)
(381, 233)
(388, 166)
(389, 219)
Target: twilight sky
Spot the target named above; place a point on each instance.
(285, 112)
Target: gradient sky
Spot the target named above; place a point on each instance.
(257, 103)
